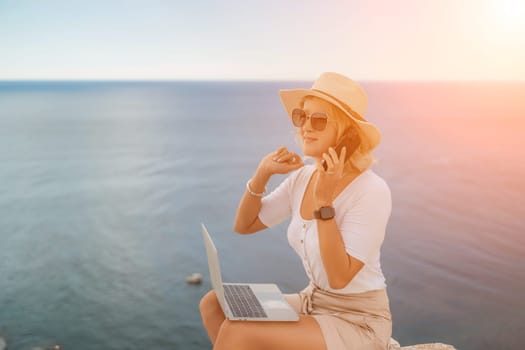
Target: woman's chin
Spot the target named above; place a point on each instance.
(312, 153)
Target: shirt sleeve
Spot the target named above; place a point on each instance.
(277, 205)
(364, 224)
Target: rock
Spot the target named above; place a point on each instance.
(3, 344)
(429, 346)
(194, 278)
(394, 345)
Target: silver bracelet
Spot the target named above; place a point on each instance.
(253, 193)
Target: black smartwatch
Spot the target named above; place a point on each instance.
(324, 213)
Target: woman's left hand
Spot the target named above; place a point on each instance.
(327, 180)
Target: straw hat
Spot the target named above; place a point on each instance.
(343, 93)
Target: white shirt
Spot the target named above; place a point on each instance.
(362, 212)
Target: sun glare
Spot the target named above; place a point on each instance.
(510, 14)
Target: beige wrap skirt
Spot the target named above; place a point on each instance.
(360, 321)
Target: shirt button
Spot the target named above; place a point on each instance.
(304, 225)
(301, 241)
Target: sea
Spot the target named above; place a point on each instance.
(104, 186)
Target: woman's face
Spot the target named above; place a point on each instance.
(316, 142)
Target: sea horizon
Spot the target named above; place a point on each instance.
(255, 80)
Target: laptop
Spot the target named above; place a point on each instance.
(246, 302)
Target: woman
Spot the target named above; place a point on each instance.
(339, 209)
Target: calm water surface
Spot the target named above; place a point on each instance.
(103, 187)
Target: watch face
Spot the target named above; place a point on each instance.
(326, 212)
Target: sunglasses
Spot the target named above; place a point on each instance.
(318, 120)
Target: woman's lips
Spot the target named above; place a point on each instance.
(309, 139)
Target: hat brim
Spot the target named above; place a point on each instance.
(291, 99)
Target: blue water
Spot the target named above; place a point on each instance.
(103, 186)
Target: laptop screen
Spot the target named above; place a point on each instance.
(215, 270)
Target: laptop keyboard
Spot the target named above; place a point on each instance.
(243, 301)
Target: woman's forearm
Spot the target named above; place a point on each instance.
(250, 205)
(279, 162)
(335, 259)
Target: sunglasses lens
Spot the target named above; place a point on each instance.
(298, 117)
(318, 121)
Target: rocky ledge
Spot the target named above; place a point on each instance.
(394, 345)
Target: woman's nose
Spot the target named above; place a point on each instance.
(308, 124)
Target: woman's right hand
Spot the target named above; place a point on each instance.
(281, 161)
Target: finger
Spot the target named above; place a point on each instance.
(296, 158)
(334, 155)
(289, 157)
(342, 157)
(329, 161)
(284, 168)
(297, 161)
(280, 152)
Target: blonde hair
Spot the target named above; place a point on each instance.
(361, 159)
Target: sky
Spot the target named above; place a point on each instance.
(262, 40)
